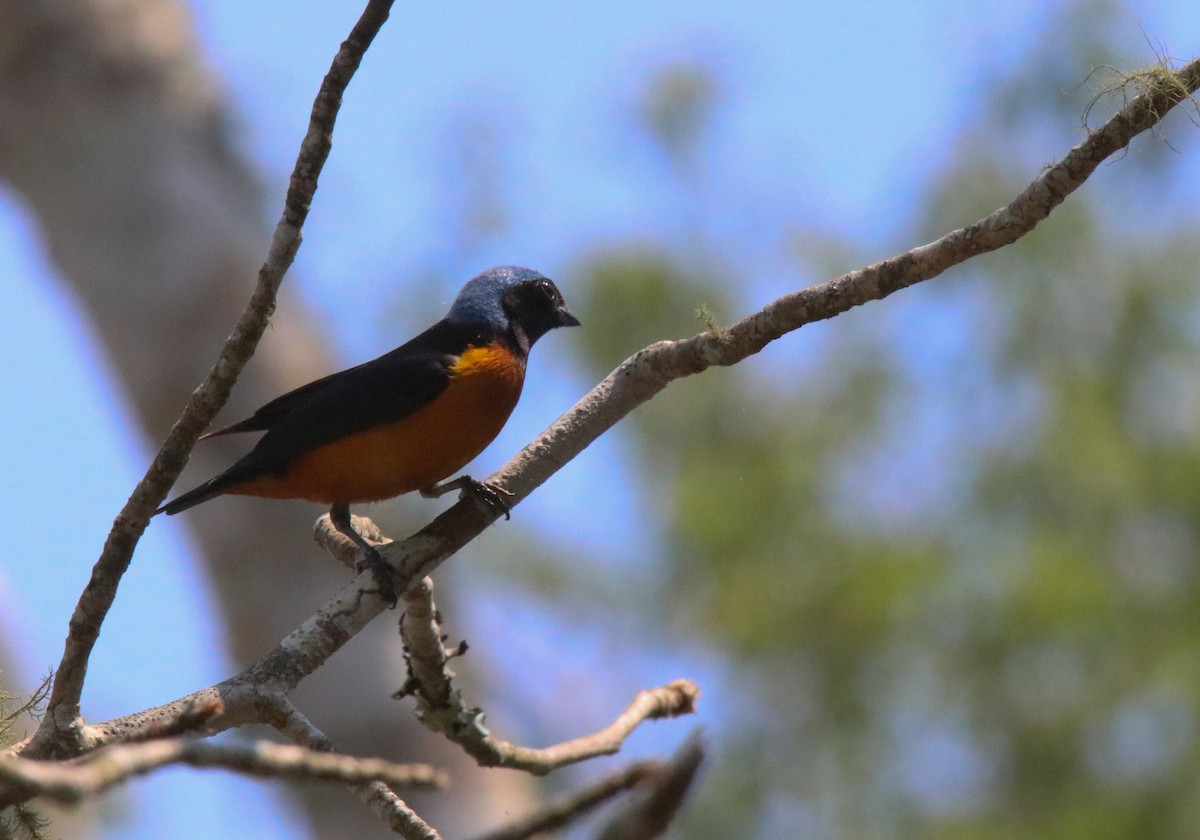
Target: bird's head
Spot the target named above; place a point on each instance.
(513, 299)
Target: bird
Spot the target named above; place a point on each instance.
(404, 421)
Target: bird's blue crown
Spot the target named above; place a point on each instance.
(479, 300)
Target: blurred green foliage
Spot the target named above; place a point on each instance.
(1013, 654)
(948, 549)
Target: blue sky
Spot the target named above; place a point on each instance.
(837, 113)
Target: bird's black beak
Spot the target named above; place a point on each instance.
(565, 318)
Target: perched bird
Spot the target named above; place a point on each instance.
(404, 421)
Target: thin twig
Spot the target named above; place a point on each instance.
(427, 658)
(384, 801)
(395, 812)
(670, 700)
(62, 731)
(441, 708)
(69, 782)
(580, 803)
(650, 814)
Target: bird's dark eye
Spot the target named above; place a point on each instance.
(549, 292)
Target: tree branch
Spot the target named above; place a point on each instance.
(579, 804)
(671, 700)
(395, 812)
(441, 708)
(649, 371)
(62, 731)
(69, 782)
(651, 814)
(379, 797)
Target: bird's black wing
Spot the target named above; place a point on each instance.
(271, 413)
(381, 391)
(442, 339)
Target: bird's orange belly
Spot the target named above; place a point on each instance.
(425, 447)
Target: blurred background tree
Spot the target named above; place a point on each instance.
(934, 562)
(949, 558)
(953, 562)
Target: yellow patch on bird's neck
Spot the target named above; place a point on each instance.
(489, 360)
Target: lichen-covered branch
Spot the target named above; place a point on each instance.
(441, 708)
(670, 700)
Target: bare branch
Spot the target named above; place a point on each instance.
(191, 720)
(579, 804)
(382, 799)
(427, 658)
(297, 728)
(671, 700)
(395, 812)
(62, 731)
(651, 814)
(649, 371)
(72, 781)
(255, 695)
(441, 708)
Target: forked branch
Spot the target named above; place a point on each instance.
(440, 705)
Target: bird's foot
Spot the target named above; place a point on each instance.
(492, 498)
(382, 571)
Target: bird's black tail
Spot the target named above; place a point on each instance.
(209, 489)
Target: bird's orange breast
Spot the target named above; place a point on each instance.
(418, 451)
